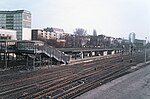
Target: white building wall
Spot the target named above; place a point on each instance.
(26, 34)
(6, 32)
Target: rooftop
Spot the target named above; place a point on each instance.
(15, 11)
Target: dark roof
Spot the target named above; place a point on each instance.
(15, 11)
(53, 29)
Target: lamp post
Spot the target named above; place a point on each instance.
(34, 56)
(6, 58)
(131, 50)
(122, 51)
(145, 50)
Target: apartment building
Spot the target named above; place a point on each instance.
(19, 20)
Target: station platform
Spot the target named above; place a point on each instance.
(135, 85)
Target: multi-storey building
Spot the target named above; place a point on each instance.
(53, 36)
(19, 20)
(48, 33)
(40, 34)
(56, 33)
(7, 34)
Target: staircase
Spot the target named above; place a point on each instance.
(53, 52)
(32, 47)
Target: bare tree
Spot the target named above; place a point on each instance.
(80, 32)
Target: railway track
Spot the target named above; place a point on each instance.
(73, 79)
(95, 83)
(85, 79)
(47, 74)
(30, 86)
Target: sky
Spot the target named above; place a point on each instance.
(116, 18)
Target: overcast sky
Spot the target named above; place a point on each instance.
(116, 18)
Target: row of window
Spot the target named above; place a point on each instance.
(9, 22)
(19, 37)
(15, 21)
(2, 15)
(18, 15)
(46, 37)
(5, 37)
(17, 18)
(2, 22)
(2, 19)
(49, 34)
(19, 21)
(9, 18)
(2, 34)
(18, 27)
(19, 31)
(15, 27)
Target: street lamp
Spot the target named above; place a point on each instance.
(131, 50)
(122, 51)
(145, 49)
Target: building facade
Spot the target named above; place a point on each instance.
(48, 33)
(39, 34)
(8, 34)
(19, 20)
(56, 33)
(53, 36)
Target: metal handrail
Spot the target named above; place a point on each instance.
(45, 48)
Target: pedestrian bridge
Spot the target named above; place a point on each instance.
(29, 53)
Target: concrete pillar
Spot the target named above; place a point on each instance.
(27, 63)
(75, 56)
(105, 53)
(82, 55)
(113, 52)
(93, 53)
(6, 60)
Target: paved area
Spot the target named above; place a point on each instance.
(135, 85)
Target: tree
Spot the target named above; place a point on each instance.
(80, 32)
(94, 33)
